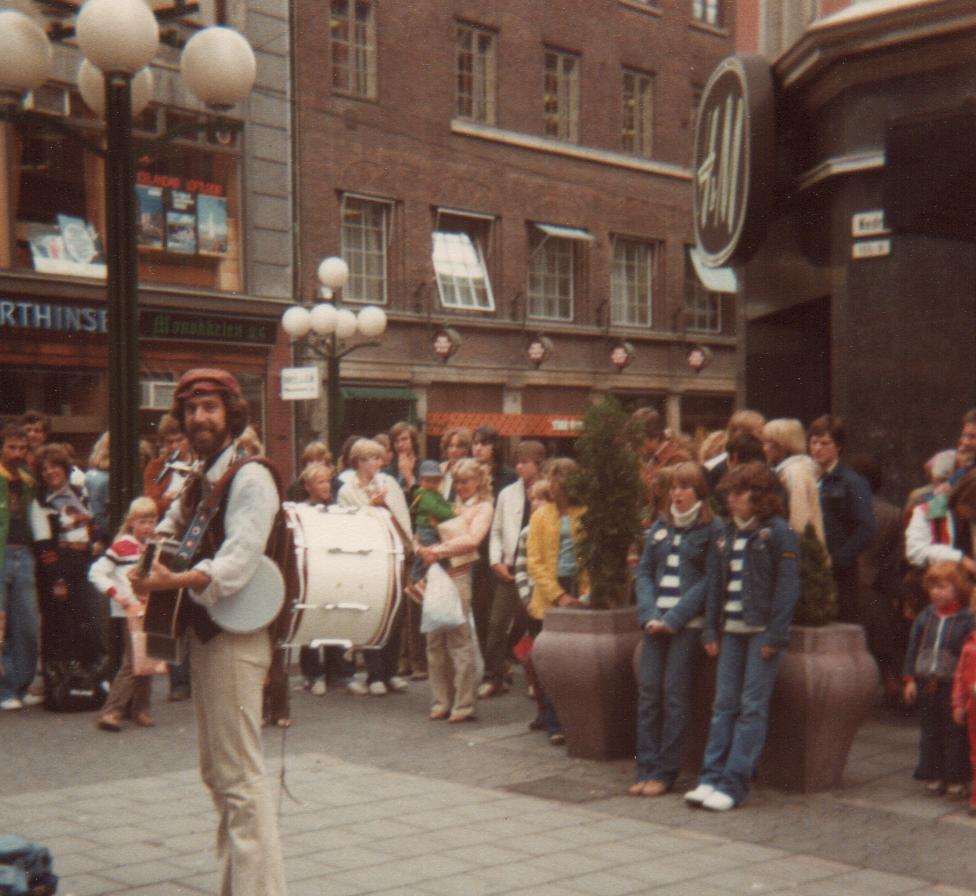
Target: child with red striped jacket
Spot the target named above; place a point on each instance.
(110, 575)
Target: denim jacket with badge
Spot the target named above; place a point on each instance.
(770, 581)
(698, 571)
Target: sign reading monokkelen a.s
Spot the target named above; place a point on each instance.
(734, 160)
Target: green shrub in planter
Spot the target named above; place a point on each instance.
(609, 484)
(818, 595)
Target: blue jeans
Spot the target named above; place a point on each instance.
(743, 687)
(19, 598)
(664, 707)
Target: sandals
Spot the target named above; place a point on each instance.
(648, 788)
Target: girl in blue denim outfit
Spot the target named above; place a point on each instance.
(679, 566)
(760, 588)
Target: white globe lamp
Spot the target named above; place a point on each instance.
(324, 318)
(333, 273)
(218, 65)
(296, 322)
(25, 55)
(372, 321)
(91, 85)
(345, 324)
(118, 36)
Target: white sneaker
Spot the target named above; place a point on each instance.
(32, 700)
(397, 684)
(717, 801)
(11, 703)
(319, 688)
(357, 688)
(377, 689)
(698, 796)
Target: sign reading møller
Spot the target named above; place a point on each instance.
(734, 160)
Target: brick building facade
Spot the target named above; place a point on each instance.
(511, 171)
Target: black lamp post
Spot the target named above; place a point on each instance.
(120, 38)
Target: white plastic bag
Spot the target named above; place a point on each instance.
(442, 608)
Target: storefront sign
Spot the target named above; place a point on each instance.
(871, 249)
(17, 315)
(698, 357)
(212, 328)
(868, 224)
(299, 383)
(734, 160)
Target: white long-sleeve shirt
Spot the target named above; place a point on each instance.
(252, 503)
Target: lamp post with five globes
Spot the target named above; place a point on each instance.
(119, 39)
(326, 328)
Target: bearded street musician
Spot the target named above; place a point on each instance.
(227, 669)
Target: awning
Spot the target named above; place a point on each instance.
(566, 233)
(388, 393)
(540, 426)
(713, 279)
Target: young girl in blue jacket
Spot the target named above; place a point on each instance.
(677, 569)
(759, 589)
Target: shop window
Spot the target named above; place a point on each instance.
(187, 198)
(475, 74)
(632, 282)
(637, 135)
(58, 393)
(554, 259)
(703, 309)
(561, 95)
(365, 238)
(460, 245)
(353, 27)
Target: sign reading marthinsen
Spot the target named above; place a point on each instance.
(196, 328)
(22, 315)
(734, 160)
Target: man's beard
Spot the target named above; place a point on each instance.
(206, 441)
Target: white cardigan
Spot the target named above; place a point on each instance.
(507, 524)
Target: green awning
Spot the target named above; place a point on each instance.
(387, 393)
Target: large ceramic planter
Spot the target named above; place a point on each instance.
(583, 659)
(826, 687)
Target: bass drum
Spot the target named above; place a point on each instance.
(349, 570)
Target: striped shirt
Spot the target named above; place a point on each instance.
(734, 621)
(669, 588)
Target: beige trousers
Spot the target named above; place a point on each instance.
(450, 661)
(227, 675)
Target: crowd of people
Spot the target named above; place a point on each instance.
(716, 573)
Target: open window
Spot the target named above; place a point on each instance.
(461, 242)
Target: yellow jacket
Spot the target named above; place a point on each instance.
(542, 556)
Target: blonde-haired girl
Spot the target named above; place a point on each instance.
(109, 574)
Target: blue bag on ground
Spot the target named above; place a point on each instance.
(25, 868)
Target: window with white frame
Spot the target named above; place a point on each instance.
(632, 282)
(561, 95)
(703, 309)
(365, 237)
(459, 247)
(353, 29)
(553, 263)
(638, 113)
(476, 75)
(708, 12)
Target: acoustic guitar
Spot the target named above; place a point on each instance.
(252, 608)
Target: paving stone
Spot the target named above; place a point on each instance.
(605, 883)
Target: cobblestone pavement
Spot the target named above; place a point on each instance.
(388, 802)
